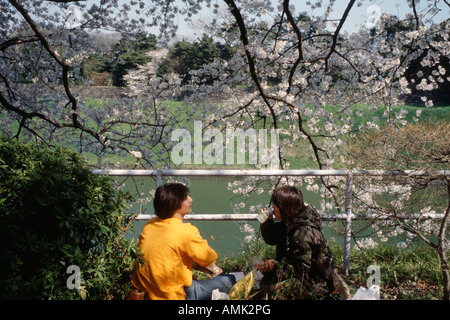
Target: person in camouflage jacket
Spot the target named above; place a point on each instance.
(302, 251)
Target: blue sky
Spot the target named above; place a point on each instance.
(359, 14)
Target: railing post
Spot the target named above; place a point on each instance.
(348, 221)
(158, 178)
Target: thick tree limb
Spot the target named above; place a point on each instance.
(299, 44)
(251, 63)
(336, 32)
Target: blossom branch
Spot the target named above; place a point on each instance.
(251, 63)
(65, 76)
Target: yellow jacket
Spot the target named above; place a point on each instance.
(168, 247)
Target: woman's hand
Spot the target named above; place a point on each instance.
(264, 214)
(212, 270)
(266, 265)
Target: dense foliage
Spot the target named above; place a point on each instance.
(120, 54)
(55, 213)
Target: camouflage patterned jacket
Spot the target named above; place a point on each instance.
(302, 251)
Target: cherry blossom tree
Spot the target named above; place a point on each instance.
(45, 42)
(300, 74)
(42, 49)
(406, 203)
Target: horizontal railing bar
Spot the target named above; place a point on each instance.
(219, 172)
(205, 217)
(325, 217)
(256, 172)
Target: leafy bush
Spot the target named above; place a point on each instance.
(54, 213)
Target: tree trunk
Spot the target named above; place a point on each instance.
(442, 251)
(445, 273)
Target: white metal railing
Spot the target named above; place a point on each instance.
(348, 216)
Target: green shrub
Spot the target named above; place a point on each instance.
(55, 213)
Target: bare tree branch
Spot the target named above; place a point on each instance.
(336, 32)
(299, 43)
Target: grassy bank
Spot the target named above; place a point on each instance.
(300, 154)
(406, 274)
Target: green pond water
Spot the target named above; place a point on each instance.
(212, 196)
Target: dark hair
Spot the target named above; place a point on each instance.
(289, 200)
(168, 198)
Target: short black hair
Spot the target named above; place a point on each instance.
(168, 198)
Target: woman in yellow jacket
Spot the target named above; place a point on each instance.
(171, 248)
